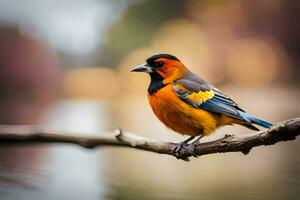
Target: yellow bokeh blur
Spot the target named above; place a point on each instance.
(252, 62)
(91, 83)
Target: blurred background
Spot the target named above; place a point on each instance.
(66, 65)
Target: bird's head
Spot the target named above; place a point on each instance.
(166, 66)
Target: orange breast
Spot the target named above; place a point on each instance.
(179, 116)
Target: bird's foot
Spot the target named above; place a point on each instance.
(191, 150)
(177, 149)
(191, 147)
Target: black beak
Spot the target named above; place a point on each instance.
(142, 68)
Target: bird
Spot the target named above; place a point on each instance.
(188, 104)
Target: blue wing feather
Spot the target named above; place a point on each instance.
(222, 104)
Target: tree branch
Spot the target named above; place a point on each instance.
(284, 131)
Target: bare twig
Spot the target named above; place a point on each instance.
(284, 131)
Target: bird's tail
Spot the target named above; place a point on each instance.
(252, 119)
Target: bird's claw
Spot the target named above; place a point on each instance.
(177, 149)
(191, 150)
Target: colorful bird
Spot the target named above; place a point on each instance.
(188, 104)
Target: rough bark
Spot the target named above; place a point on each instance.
(284, 131)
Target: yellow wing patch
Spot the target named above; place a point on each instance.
(200, 97)
(197, 97)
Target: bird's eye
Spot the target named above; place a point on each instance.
(160, 64)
